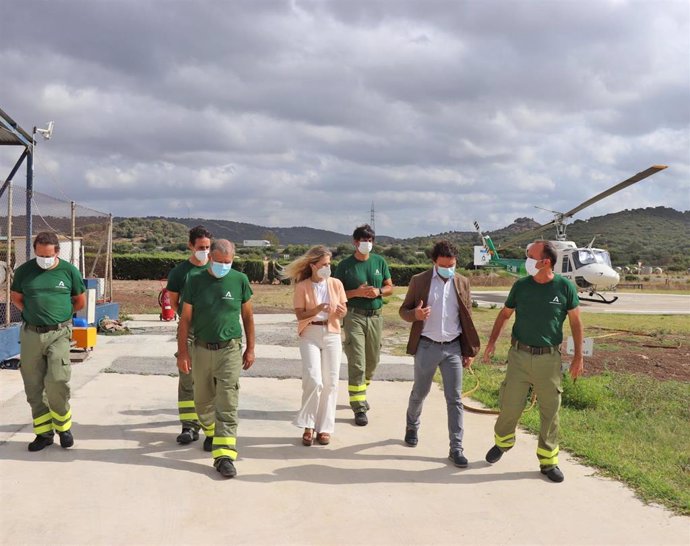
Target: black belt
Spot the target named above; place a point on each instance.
(319, 322)
(49, 328)
(454, 340)
(215, 346)
(366, 312)
(533, 350)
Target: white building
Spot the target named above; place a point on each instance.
(256, 242)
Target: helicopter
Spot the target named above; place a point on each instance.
(589, 268)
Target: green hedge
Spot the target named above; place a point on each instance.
(157, 266)
(401, 274)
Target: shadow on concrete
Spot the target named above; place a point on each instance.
(151, 446)
(332, 475)
(148, 447)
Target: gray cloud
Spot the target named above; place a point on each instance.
(304, 112)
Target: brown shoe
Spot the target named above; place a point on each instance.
(308, 437)
(323, 438)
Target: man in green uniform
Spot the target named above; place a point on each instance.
(199, 245)
(541, 302)
(366, 279)
(47, 290)
(214, 300)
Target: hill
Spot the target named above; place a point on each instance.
(240, 231)
(655, 236)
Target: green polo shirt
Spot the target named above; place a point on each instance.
(178, 276)
(541, 309)
(217, 304)
(353, 273)
(47, 292)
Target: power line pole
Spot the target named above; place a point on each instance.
(372, 222)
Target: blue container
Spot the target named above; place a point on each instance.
(79, 322)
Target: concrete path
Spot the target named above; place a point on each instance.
(629, 303)
(126, 481)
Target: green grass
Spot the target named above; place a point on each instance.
(632, 428)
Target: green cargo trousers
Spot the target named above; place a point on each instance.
(46, 371)
(543, 373)
(362, 347)
(185, 395)
(216, 394)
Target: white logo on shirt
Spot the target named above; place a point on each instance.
(61, 284)
(228, 296)
(377, 272)
(555, 300)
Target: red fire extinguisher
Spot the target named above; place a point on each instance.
(167, 312)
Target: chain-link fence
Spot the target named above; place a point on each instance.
(85, 240)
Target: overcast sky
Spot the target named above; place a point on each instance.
(286, 113)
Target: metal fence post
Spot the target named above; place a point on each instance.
(8, 267)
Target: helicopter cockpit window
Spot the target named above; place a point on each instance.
(603, 257)
(586, 257)
(566, 268)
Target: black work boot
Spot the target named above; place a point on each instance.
(554, 474)
(208, 444)
(494, 455)
(41, 442)
(361, 418)
(187, 436)
(66, 439)
(225, 467)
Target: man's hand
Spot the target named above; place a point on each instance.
(184, 363)
(467, 361)
(248, 359)
(577, 366)
(489, 352)
(367, 291)
(421, 313)
(323, 308)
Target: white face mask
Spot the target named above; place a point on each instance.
(324, 272)
(531, 266)
(201, 255)
(365, 247)
(45, 263)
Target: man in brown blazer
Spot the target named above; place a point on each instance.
(439, 306)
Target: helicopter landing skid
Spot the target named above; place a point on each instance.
(599, 299)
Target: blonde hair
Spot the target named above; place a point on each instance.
(299, 270)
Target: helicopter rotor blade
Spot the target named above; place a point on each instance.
(525, 235)
(629, 182)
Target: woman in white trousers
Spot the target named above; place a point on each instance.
(319, 303)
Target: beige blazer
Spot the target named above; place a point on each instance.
(305, 298)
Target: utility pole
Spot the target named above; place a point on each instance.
(372, 222)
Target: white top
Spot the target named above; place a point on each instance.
(443, 323)
(321, 291)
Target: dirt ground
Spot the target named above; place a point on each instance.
(663, 358)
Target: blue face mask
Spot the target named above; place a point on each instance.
(446, 272)
(220, 270)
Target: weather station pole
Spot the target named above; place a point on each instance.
(73, 207)
(29, 193)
